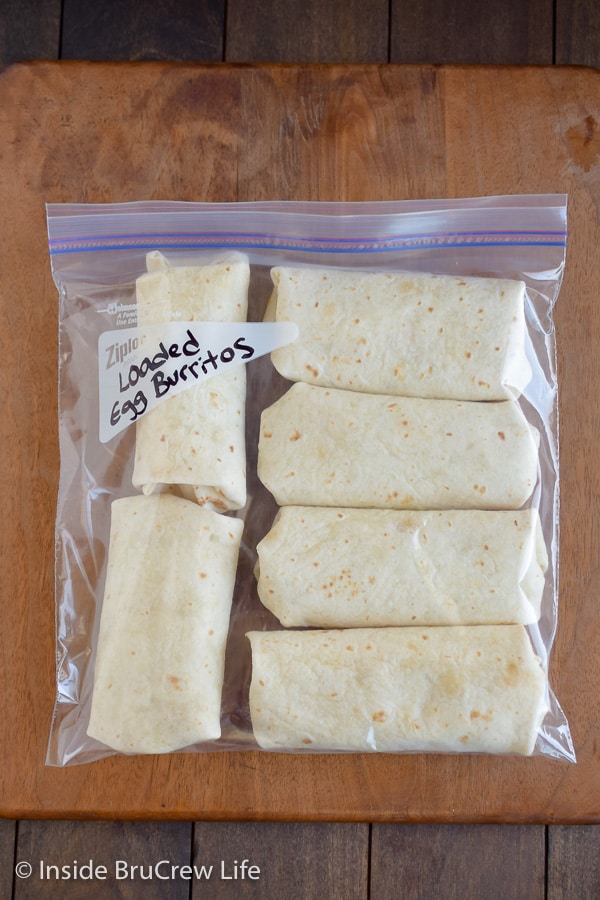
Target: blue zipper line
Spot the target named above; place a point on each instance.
(312, 249)
(275, 237)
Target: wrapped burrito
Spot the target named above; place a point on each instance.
(164, 623)
(348, 568)
(402, 333)
(196, 439)
(456, 688)
(326, 447)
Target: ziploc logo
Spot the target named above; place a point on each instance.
(142, 367)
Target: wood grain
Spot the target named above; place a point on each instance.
(299, 861)
(578, 32)
(164, 29)
(573, 862)
(431, 32)
(341, 126)
(285, 132)
(460, 31)
(127, 851)
(458, 862)
(8, 832)
(337, 31)
(29, 30)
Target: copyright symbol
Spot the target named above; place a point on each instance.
(23, 869)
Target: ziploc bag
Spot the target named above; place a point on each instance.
(309, 486)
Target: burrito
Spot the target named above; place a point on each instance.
(326, 447)
(347, 568)
(403, 333)
(165, 617)
(457, 688)
(195, 439)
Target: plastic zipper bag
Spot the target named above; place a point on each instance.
(309, 487)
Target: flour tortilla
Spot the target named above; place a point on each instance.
(196, 439)
(326, 447)
(403, 333)
(455, 688)
(164, 623)
(349, 568)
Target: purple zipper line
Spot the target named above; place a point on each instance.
(274, 237)
(315, 249)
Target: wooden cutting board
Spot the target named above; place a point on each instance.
(116, 132)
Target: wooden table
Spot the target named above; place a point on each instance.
(117, 132)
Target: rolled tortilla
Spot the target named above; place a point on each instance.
(196, 438)
(455, 688)
(348, 568)
(325, 447)
(403, 333)
(164, 622)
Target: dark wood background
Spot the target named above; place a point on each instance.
(311, 860)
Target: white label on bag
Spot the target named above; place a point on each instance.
(142, 367)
